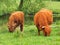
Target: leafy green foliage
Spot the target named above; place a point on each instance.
(29, 6)
(7, 6)
(53, 5)
(32, 6)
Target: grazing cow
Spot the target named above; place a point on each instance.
(16, 19)
(42, 20)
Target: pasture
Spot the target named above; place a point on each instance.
(29, 36)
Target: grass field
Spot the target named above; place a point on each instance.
(29, 36)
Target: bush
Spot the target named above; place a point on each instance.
(29, 6)
(7, 6)
(53, 5)
(32, 6)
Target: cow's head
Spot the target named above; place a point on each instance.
(11, 26)
(46, 30)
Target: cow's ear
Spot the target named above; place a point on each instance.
(43, 27)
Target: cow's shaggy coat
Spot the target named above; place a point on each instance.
(16, 19)
(42, 20)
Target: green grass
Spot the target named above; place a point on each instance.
(29, 36)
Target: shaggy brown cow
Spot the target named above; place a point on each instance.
(16, 19)
(48, 14)
(42, 20)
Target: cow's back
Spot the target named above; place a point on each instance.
(17, 16)
(36, 18)
(48, 14)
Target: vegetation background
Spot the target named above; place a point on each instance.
(29, 37)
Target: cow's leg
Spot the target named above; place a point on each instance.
(38, 30)
(21, 27)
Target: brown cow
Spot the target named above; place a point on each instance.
(42, 20)
(16, 19)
